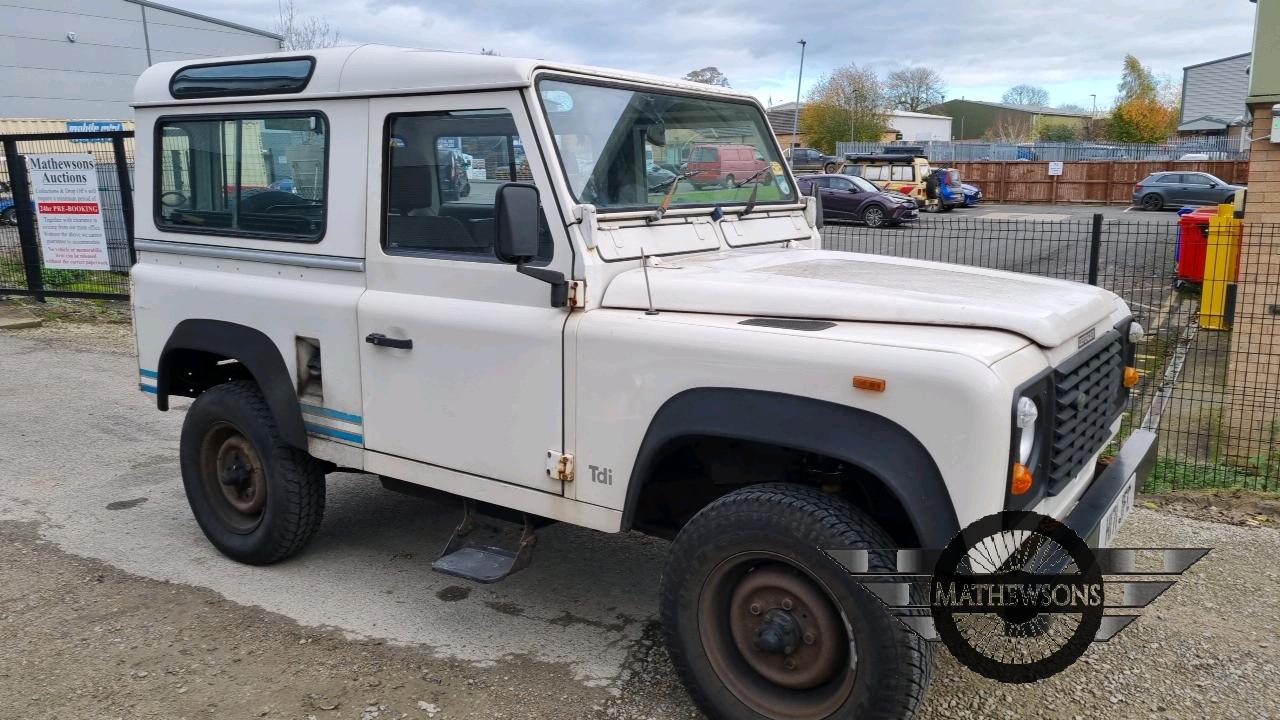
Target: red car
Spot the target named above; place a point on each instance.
(723, 164)
(849, 197)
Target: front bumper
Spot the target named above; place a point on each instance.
(1136, 457)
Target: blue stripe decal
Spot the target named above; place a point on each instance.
(147, 388)
(340, 434)
(326, 412)
(149, 373)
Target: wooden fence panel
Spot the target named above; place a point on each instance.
(1085, 181)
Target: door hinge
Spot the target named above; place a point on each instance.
(559, 466)
(577, 293)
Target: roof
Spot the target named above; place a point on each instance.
(1209, 122)
(205, 18)
(782, 116)
(1212, 62)
(1033, 109)
(365, 70)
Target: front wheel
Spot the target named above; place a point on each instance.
(256, 499)
(761, 624)
(874, 216)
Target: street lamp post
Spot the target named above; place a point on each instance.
(795, 120)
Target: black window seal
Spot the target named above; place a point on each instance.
(157, 169)
(640, 87)
(311, 71)
(384, 193)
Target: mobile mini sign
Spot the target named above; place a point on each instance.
(64, 190)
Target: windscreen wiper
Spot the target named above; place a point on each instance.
(671, 184)
(751, 201)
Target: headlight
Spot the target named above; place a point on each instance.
(1136, 333)
(1027, 415)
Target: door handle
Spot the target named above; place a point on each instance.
(383, 341)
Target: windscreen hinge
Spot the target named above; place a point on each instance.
(577, 293)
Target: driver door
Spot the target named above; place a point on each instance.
(461, 357)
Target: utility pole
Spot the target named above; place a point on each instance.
(795, 120)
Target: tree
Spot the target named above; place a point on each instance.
(848, 104)
(1146, 111)
(1011, 127)
(914, 88)
(1057, 132)
(303, 33)
(1072, 107)
(709, 75)
(1025, 95)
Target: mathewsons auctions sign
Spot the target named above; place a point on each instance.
(64, 190)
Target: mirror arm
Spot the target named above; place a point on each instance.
(554, 278)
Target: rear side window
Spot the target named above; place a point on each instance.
(903, 172)
(249, 175)
(258, 77)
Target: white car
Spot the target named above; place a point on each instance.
(578, 346)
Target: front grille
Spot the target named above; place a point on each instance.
(1088, 393)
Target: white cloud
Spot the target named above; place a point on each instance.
(979, 46)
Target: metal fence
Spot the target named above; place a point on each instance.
(1213, 394)
(956, 151)
(22, 268)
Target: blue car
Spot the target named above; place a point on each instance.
(972, 194)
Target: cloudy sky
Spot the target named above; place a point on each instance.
(981, 47)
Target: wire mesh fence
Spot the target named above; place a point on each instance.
(1213, 394)
(22, 269)
(1206, 148)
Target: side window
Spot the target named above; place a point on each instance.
(903, 172)
(876, 172)
(441, 174)
(257, 176)
(839, 184)
(1171, 179)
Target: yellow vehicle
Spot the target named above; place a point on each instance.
(901, 172)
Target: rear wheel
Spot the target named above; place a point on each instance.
(761, 624)
(256, 499)
(729, 181)
(874, 216)
(1152, 201)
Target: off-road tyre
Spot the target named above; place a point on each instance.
(235, 418)
(789, 524)
(829, 168)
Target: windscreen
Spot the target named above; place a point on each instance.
(628, 149)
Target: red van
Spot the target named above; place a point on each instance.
(723, 164)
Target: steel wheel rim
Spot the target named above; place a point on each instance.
(752, 608)
(233, 477)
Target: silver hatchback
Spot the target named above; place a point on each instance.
(1164, 189)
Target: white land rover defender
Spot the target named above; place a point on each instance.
(494, 278)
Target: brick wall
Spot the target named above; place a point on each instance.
(1252, 407)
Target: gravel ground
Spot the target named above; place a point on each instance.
(89, 627)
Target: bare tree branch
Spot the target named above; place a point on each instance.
(303, 33)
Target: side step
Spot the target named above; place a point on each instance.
(480, 560)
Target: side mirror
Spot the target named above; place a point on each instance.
(515, 212)
(516, 219)
(817, 206)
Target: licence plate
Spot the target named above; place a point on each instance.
(1118, 512)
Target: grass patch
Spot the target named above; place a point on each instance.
(1172, 473)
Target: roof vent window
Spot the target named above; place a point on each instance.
(254, 77)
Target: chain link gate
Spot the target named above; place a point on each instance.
(22, 269)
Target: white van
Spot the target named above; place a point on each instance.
(574, 341)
